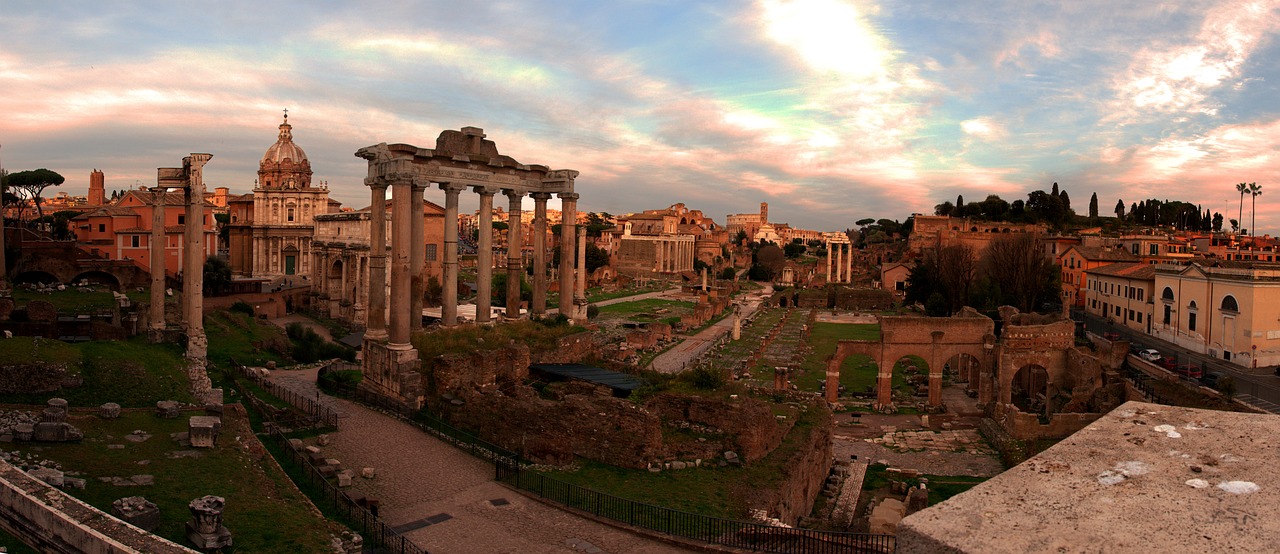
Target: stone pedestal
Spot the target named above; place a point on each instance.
(393, 372)
(110, 410)
(202, 431)
(137, 511)
(23, 431)
(47, 431)
(205, 528)
(167, 409)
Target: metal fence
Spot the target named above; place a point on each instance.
(370, 526)
(744, 535)
(314, 412)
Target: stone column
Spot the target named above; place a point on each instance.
(580, 292)
(568, 227)
(158, 260)
(401, 268)
(484, 257)
(376, 326)
(417, 256)
(839, 262)
(193, 280)
(848, 268)
(539, 305)
(829, 245)
(515, 252)
(449, 288)
(657, 252)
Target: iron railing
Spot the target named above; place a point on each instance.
(314, 412)
(756, 537)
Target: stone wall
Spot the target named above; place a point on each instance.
(863, 299)
(803, 474)
(57, 522)
(571, 349)
(748, 424)
(596, 426)
(36, 377)
(1024, 426)
(482, 370)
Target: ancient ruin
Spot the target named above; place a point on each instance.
(459, 160)
(205, 529)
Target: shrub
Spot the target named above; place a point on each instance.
(339, 380)
(242, 307)
(558, 320)
(592, 311)
(706, 378)
(310, 347)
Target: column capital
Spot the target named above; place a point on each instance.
(513, 193)
(484, 191)
(568, 196)
(400, 178)
(540, 196)
(375, 183)
(451, 188)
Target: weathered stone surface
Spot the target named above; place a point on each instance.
(56, 432)
(23, 431)
(367, 473)
(344, 479)
(41, 311)
(205, 528)
(110, 410)
(322, 439)
(6, 308)
(203, 431)
(49, 475)
(137, 511)
(295, 444)
(167, 409)
(884, 519)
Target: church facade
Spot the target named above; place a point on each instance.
(271, 228)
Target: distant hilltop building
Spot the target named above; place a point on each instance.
(748, 223)
(931, 232)
(271, 228)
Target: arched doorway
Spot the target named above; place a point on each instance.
(34, 277)
(1029, 389)
(98, 278)
(963, 369)
(290, 260)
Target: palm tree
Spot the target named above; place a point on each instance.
(1255, 190)
(1241, 188)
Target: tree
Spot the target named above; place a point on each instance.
(1255, 190)
(1017, 265)
(1217, 222)
(1120, 209)
(217, 276)
(794, 249)
(956, 270)
(32, 184)
(944, 208)
(865, 221)
(1241, 188)
(740, 238)
(596, 257)
(1093, 207)
(769, 261)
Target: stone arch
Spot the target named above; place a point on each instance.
(1229, 304)
(1029, 389)
(34, 276)
(782, 301)
(98, 278)
(1167, 294)
(964, 368)
(915, 371)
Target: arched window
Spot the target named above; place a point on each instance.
(1167, 294)
(1191, 316)
(1229, 304)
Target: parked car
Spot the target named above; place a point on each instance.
(1168, 363)
(1211, 379)
(1111, 336)
(1136, 347)
(1191, 371)
(1151, 355)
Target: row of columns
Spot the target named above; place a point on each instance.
(408, 256)
(264, 247)
(193, 257)
(842, 253)
(674, 256)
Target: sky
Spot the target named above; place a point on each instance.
(829, 110)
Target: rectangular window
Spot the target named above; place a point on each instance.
(102, 227)
(182, 220)
(1191, 321)
(1168, 314)
(135, 240)
(431, 252)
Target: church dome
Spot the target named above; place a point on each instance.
(284, 148)
(285, 165)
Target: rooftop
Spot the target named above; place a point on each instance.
(1143, 478)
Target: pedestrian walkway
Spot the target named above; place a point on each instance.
(445, 500)
(681, 355)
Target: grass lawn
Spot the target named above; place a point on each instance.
(131, 373)
(74, 300)
(263, 511)
(856, 373)
(713, 491)
(238, 336)
(941, 487)
(639, 309)
(596, 294)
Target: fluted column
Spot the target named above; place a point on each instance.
(376, 328)
(568, 228)
(417, 256)
(839, 262)
(829, 262)
(401, 267)
(515, 251)
(193, 280)
(848, 267)
(539, 305)
(484, 257)
(580, 291)
(449, 289)
(158, 260)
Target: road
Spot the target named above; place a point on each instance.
(1259, 387)
(679, 356)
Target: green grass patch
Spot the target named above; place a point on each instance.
(131, 373)
(75, 301)
(25, 350)
(464, 340)
(941, 487)
(249, 341)
(646, 309)
(713, 491)
(263, 511)
(856, 372)
(597, 294)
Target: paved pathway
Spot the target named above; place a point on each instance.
(679, 356)
(447, 497)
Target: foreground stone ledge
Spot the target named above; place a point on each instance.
(1143, 478)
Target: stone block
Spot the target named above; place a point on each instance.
(367, 473)
(344, 479)
(59, 403)
(137, 511)
(73, 483)
(202, 431)
(295, 444)
(167, 409)
(56, 432)
(205, 528)
(322, 440)
(49, 475)
(885, 518)
(333, 462)
(53, 415)
(110, 410)
(678, 465)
